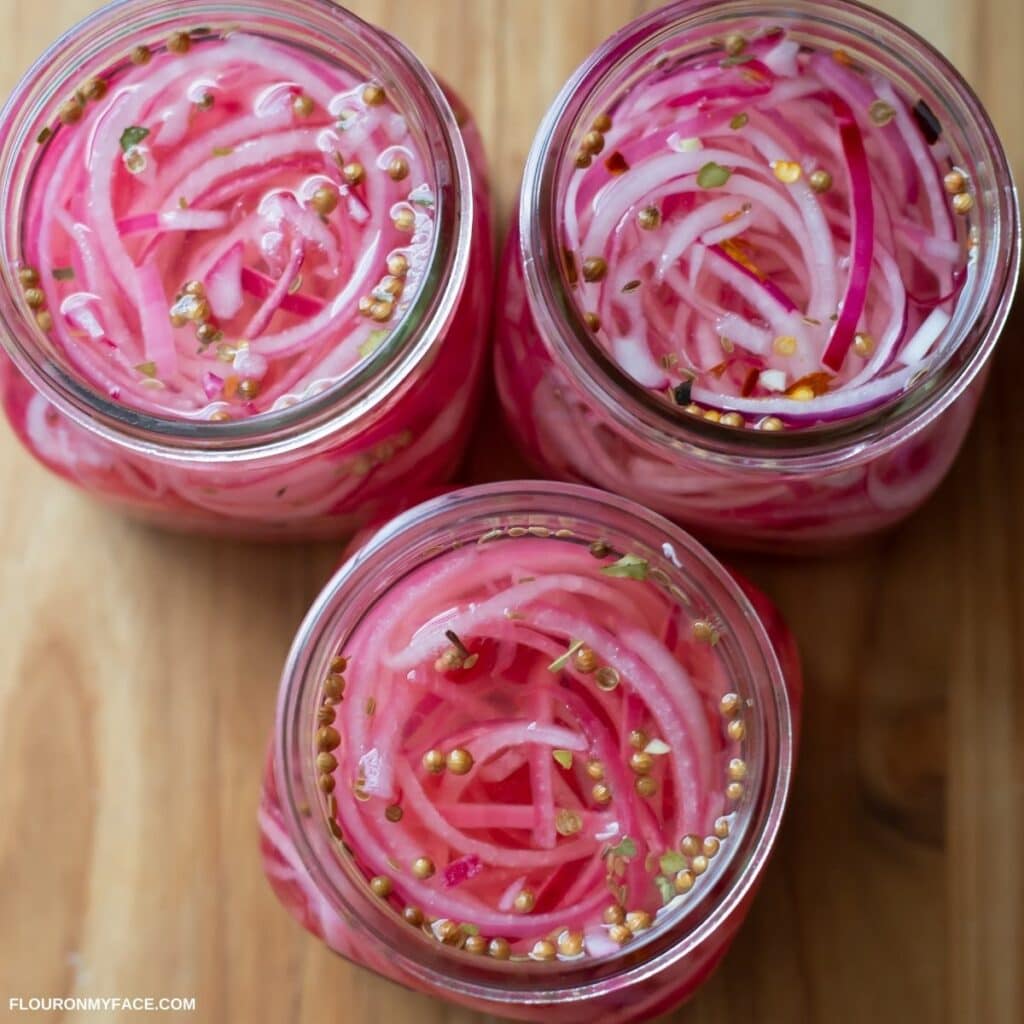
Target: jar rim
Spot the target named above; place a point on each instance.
(382, 377)
(635, 408)
(471, 509)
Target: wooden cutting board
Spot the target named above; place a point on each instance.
(138, 673)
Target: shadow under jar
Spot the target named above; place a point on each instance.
(762, 257)
(245, 258)
(532, 751)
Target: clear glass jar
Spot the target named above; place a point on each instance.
(390, 427)
(580, 417)
(319, 861)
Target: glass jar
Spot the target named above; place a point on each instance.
(355, 445)
(580, 417)
(338, 782)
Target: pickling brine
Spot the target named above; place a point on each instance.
(536, 750)
(748, 227)
(230, 243)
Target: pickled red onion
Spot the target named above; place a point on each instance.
(779, 209)
(567, 772)
(205, 216)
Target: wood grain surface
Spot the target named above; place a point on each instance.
(138, 674)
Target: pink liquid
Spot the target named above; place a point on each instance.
(227, 232)
(536, 758)
(768, 240)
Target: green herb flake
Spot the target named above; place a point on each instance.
(626, 848)
(469, 929)
(738, 122)
(222, 150)
(713, 175)
(63, 273)
(563, 757)
(132, 136)
(672, 862)
(147, 369)
(630, 567)
(666, 888)
(563, 659)
(631, 286)
(739, 58)
(374, 340)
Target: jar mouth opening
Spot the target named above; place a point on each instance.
(463, 517)
(980, 312)
(102, 42)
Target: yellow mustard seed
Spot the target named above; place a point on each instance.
(179, 42)
(787, 171)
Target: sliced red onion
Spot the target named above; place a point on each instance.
(224, 283)
(520, 843)
(920, 345)
(863, 241)
(832, 406)
(780, 216)
(156, 324)
(199, 212)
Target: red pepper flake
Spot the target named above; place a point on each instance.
(231, 387)
(569, 259)
(819, 382)
(736, 249)
(616, 163)
(750, 382)
(842, 57)
(717, 371)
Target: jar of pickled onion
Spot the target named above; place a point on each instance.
(762, 257)
(246, 256)
(533, 747)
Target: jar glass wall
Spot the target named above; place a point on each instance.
(737, 416)
(532, 751)
(246, 251)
